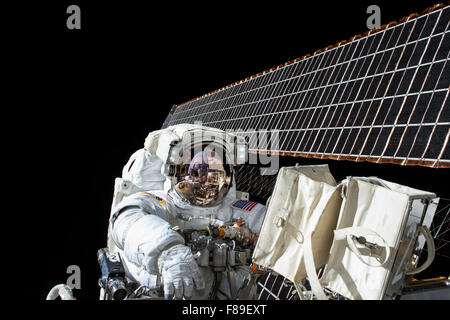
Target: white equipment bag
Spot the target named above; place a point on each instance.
(305, 200)
(363, 230)
(374, 239)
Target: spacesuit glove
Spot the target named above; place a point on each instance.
(180, 272)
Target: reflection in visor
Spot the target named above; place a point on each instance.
(206, 179)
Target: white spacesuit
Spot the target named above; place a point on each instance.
(176, 221)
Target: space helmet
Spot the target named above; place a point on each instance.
(198, 162)
(205, 175)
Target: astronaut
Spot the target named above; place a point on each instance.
(177, 221)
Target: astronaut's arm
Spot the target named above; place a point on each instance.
(143, 237)
(149, 242)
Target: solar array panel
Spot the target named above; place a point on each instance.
(380, 97)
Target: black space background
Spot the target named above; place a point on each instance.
(83, 100)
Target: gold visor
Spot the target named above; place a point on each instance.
(205, 176)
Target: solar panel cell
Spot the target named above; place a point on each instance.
(444, 77)
(393, 141)
(406, 32)
(435, 143)
(359, 142)
(418, 27)
(420, 142)
(407, 142)
(444, 113)
(430, 24)
(444, 19)
(381, 141)
(371, 139)
(432, 111)
(420, 108)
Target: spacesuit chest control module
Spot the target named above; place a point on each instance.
(177, 227)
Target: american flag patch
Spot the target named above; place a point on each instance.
(245, 205)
